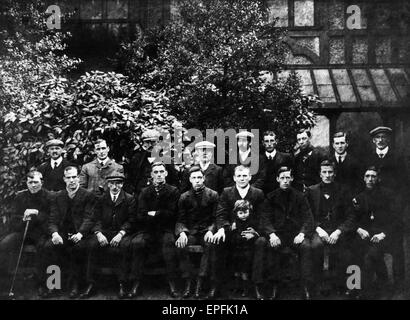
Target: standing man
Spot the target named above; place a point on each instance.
(288, 222)
(196, 225)
(53, 170)
(376, 213)
(333, 223)
(270, 161)
(242, 190)
(70, 224)
(347, 167)
(213, 174)
(115, 215)
(30, 206)
(307, 162)
(393, 175)
(156, 218)
(93, 174)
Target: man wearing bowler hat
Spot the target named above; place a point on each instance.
(213, 174)
(114, 223)
(53, 169)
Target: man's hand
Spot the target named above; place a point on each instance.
(274, 240)
(182, 240)
(76, 237)
(56, 238)
(247, 235)
(28, 213)
(322, 234)
(208, 236)
(233, 226)
(220, 235)
(102, 240)
(335, 236)
(299, 238)
(378, 237)
(152, 213)
(363, 233)
(116, 240)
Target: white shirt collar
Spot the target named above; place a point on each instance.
(271, 154)
(243, 192)
(382, 151)
(104, 162)
(337, 156)
(244, 155)
(59, 160)
(116, 195)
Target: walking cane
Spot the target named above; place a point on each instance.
(11, 293)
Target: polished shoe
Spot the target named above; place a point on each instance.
(258, 293)
(74, 291)
(198, 288)
(172, 290)
(275, 293)
(212, 293)
(89, 291)
(306, 294)
(187, 290)
(134, 290)
(121, 292)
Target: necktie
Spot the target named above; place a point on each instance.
(340, 159)
(114, 199)
(381, 155)
(102, 164)
(54, 164)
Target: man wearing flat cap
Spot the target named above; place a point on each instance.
(213, 174)
(53, 169)
(393, 175)
(114, 217)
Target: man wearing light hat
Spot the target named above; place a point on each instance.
(392, 175)
(115, 215)
(53, 169)
(213, 174)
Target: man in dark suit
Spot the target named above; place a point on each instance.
(242, 190)
(213, 174)
(196, 225)
(138, 171)
(156, 218)
(288, 222)
(307, 162)
(393, 175)
(114, 217)
(30, 206)
(70, 223)
(333, 223)
(53, 170)
(270, 161)
(376, 212)
(348, 169)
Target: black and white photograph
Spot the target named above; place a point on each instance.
(205, 153)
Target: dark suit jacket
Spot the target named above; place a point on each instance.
(341, 217)
(113, 217)
(268, 169)
(376, 211)
(224, 213)
(307, 167)
(26, 200)
(349, 172)
(53, 178)
(274, 217)
(194, 217)
(165, 203)
(82, 211)
(213, 179)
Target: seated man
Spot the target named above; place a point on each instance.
(31, 206)
(333, 220)
(156, 217)
(376, 212)
(195, 225)
(288, 222)
(70, 221)
(114, 216)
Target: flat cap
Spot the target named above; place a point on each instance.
(150, 134)
(380, 129)
(54, 142)
(205, 144)
(244, 134)
(116, 176)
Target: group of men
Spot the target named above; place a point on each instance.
(330, 211)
